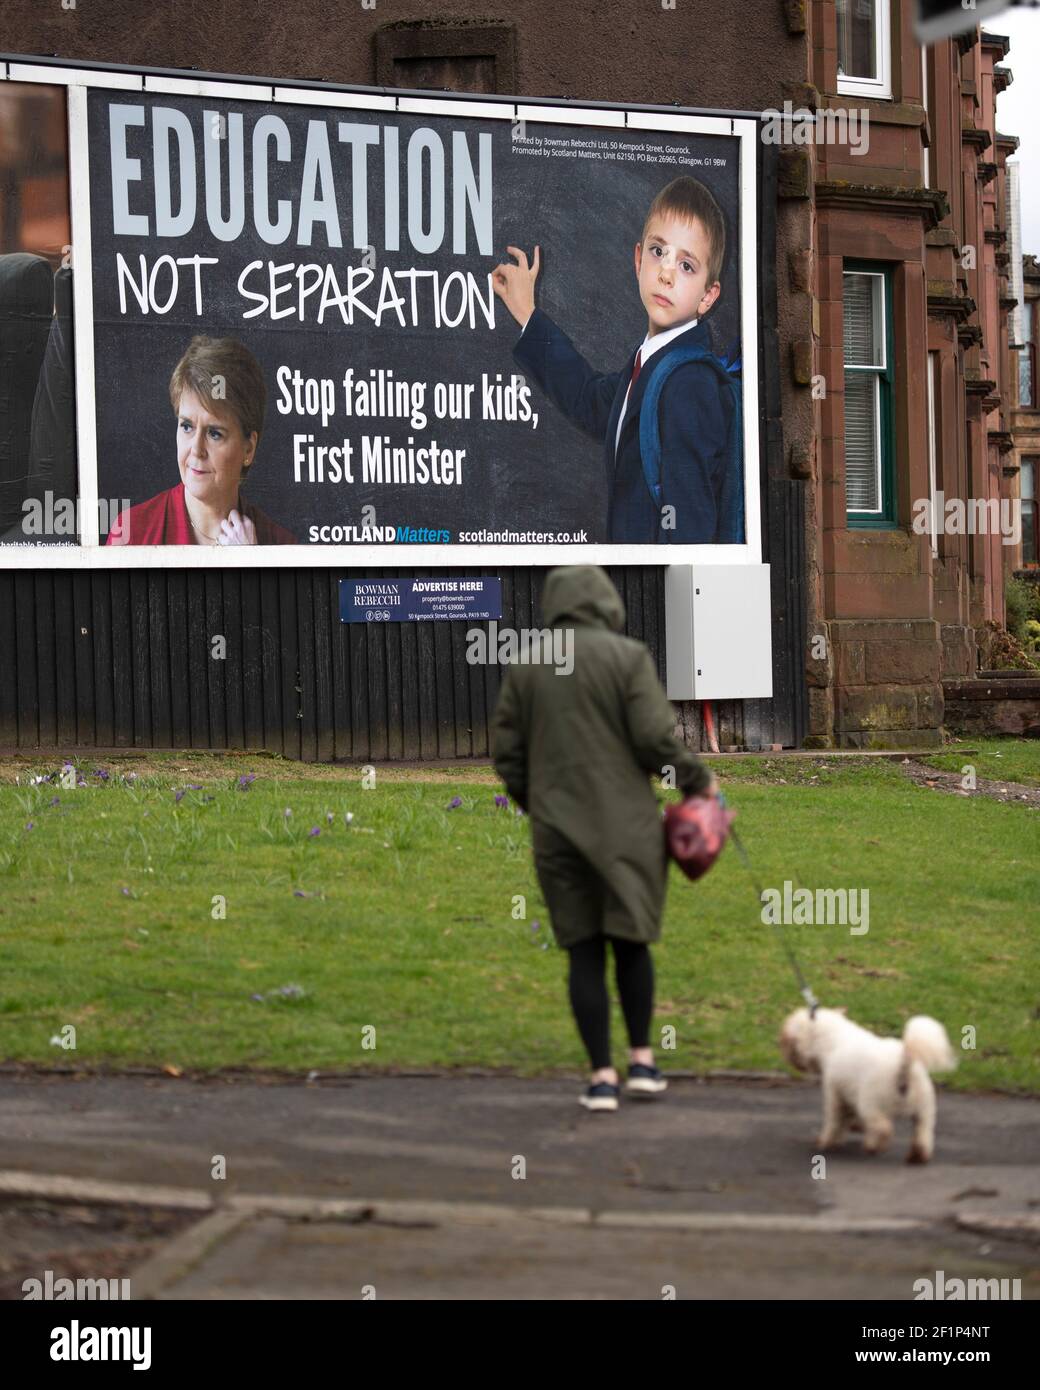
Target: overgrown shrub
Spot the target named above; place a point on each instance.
(1001, 651)
(1021, 604)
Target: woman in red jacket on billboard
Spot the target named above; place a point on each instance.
(218, 394)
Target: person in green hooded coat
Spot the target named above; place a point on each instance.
(575, 740)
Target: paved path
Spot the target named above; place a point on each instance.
(709, 1190)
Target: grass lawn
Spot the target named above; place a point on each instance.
(1013, 759)
(402, 920)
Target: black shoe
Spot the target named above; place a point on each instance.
(644, 1081)
(602, 1096)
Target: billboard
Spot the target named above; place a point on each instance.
(317, 325)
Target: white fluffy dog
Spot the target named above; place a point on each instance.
(870, 1079)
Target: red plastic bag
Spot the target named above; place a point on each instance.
(695, 831)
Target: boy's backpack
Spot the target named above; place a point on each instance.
(730, 524)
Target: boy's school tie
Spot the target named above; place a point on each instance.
(628, 395)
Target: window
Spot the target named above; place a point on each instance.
(1030, 519)
(1027, 359)
(864, 49)
(931, 450)
(926, 162)
(869, 448)
(458, 58)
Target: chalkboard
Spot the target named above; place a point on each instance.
(582, 201)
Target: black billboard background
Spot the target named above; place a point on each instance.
(585, 213)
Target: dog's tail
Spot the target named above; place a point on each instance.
(926, 1042)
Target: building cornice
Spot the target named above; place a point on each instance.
(976, 137)
(977, 385)
(930, 204)
(997, 42)
(879, 111)
(941, 300)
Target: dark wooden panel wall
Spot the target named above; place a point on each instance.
(103, 659)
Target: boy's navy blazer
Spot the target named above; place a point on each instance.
(695, 419)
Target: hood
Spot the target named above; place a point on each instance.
(583, 593)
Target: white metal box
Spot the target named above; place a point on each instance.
(718, 632)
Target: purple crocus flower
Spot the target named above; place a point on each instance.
(177, 795)
(314, 830)
(536, 926)
(100, 772)
(30, 825)
(455, 801)
(258, 997)
(55, 801)
(246, 781)
(501, 800)
(194, 786)
(125, 892)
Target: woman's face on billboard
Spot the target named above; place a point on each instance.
(212, 450)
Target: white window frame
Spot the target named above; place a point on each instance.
(877, 371)
(880, 86)
(926, 163)
(1029, 462)
(932, 480)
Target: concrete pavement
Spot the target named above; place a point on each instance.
(500, 1187)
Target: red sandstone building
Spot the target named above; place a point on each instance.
(892, 302)
(920, 224)
(1026, 426)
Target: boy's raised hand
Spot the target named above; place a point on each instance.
(514, 284)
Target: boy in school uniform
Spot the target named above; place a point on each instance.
(674, 472)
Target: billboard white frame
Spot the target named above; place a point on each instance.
(90, 554)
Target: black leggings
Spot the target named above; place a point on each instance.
(634, 972)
